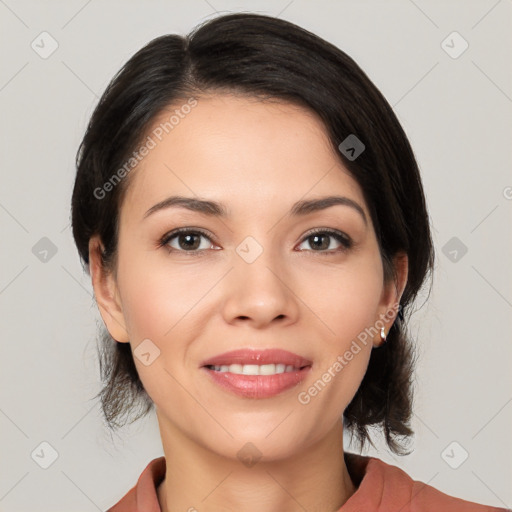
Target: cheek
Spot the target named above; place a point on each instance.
(345, 299)
(158, 296)
(158, 303)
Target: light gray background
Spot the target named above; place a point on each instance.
(457, 113)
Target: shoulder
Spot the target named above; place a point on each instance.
(384, 487)
(142, 497)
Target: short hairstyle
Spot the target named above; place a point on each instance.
(266, 58)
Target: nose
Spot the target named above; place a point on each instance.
(259, 294)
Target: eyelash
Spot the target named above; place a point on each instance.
(343, 239)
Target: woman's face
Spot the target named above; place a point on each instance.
(256, 277)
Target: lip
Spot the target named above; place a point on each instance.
(251, 356)
(257, 386)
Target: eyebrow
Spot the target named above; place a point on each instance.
(215, 209)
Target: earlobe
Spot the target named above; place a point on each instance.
(106, 293)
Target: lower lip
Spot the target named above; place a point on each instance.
(258, 386)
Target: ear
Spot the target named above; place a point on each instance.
(391, 295)
(106, 293)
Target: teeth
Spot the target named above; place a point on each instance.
(255, 369)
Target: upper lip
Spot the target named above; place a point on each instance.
(252, 356)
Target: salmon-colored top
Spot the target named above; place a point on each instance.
(381, 487)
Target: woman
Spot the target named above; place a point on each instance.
(254, 223)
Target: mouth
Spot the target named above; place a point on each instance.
(257, 373)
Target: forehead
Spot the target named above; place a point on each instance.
(240, 151)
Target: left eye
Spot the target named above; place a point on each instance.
(320, 241)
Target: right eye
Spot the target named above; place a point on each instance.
(186, 240)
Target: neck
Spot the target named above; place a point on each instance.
(316, 479)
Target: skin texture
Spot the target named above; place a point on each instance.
(258, 159)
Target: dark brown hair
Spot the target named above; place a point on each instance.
(267, 58)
